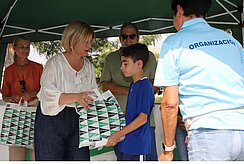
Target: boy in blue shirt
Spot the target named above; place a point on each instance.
(137, 142)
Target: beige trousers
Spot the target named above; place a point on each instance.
(19, 153)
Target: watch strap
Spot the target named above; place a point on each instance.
(169, 148)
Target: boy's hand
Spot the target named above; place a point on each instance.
(113, 139)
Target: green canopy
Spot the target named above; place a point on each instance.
(46, 19)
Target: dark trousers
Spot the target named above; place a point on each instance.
(153, 156)
(57, 137)
(180, 138)
(127, 157)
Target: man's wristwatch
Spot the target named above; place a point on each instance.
(166, 148)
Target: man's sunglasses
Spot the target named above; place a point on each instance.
(131, 36)
(22, 84)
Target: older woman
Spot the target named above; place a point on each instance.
(67, 78)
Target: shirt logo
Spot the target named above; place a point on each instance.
(211, 43)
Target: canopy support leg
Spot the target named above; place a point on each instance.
(5, 19)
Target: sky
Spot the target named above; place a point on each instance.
(35, 56)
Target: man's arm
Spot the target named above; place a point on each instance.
(152, 67)
(140, 120)
(169, 111)
(114, 88)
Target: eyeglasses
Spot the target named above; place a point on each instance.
(131, 36)
(22, 84)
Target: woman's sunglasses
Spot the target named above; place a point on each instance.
(23, 87)
(131, 36)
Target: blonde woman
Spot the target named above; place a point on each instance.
(67, 78)
(21, 80)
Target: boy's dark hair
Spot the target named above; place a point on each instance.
(136, 52)
(199, 8)
(127, 24)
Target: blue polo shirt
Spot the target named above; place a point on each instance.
(207, 65)
(140, 100)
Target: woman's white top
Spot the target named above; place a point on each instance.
(59, 77)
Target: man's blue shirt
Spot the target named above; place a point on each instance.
(207, 65)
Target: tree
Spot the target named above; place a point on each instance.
(48, 48)
(100, 49)
(149, 39)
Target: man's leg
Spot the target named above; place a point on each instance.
(213, 145)
(180, 138)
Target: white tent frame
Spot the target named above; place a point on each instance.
(47, 30)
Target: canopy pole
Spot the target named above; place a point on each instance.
(222, 14)
(5, 19)
(227, 11)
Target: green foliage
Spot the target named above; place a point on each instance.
(150, 39)
(100, 49)
(156, 56)
(48, 48)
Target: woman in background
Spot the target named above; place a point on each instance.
(21, 82)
